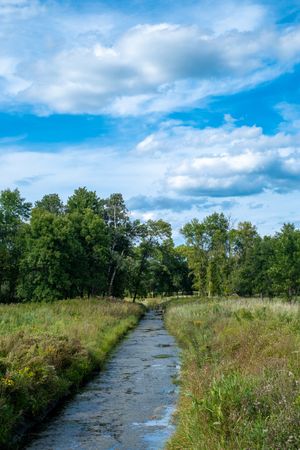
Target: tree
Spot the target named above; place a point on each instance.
(285, 269)
(207, 252)
(262, 260)
(167, 271)
(83, 199)
(195, 252)
(45, 262)
(216, 233)
(51, 203)
(88, 253)
(152, 235)
(122, 233)
(14, 212)
(243, 241)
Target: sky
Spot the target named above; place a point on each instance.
(185, 107)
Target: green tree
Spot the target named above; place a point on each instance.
(207, 244)
(83, 199)
(196, 254)
(51, 203)
(152, 235)
(122, 233)
(285, 269)
(216, 234)
(45, 262)
(243, 259)
(88, 253)
(14, 212)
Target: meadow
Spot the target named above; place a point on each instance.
(240, 376)
(47, 350)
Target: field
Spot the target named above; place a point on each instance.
(240, 380)
(46, 350)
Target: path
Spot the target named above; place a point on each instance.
(129, 405)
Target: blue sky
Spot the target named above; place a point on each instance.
(184, 107)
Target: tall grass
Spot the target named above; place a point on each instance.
(240, 380)
(46, 350)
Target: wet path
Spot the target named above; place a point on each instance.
(126, 407)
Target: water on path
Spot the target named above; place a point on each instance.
(129, 405)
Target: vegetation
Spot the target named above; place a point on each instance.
(240, 380)
(241, 358)
(225, 260)
(85, 248)
(90, 246)
(47, 349)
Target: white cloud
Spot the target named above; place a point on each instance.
(291, 117)
(247, 17)
(66, 63)
(225, 162)
(106, 170)
(180, 170)
(177, 161)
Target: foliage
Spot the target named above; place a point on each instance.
(14, 212)
(225, 260)
(91, 246)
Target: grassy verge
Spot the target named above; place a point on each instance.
(240, 381)
(46, 350)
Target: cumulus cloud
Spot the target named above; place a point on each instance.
(94, 65)
(176, 168)
(180, 170)
(156, 68)
(228, 161)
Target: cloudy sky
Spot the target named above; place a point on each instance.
(186, 107)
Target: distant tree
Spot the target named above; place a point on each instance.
(83, 199)
(14, 212)
(122, 234)
(216, 232)
(152, 235)
(207, 251)
(168, 271)
(95, 253)
(243, 243)
(196, 254)
(51, 203)
(90, 246)
(89, 250)
(45, 260)
(66, 254)
(262, 261)
(285, 269)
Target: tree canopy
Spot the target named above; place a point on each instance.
(91, 246)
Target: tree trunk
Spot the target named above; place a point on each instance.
(138, 282)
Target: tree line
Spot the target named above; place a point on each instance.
(90, 246)
(86, 247)
(226, 260)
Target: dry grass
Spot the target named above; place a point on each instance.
(240, 377)
(46, 350)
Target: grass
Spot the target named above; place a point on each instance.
(240, 379)
(47, 350)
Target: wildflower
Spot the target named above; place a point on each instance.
(8, 381)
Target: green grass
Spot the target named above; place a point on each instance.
(46, 350)
(240, 379)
